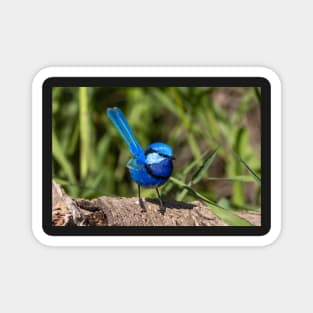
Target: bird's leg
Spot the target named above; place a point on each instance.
(142, 205)
(162, 207)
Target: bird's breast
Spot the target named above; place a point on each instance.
(162, 169)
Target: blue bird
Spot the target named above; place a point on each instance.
(150, 168)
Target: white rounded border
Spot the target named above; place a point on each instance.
(276, 149)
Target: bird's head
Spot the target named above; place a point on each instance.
(162, 149)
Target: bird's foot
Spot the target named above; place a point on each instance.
(162, 209)
(142, 205)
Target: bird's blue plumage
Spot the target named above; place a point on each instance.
(121, 124)
(150, 168)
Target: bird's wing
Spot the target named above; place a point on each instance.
(134, 164)
(121, 124)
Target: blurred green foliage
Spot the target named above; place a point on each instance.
(214, 131)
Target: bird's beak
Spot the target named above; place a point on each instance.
(173, 158)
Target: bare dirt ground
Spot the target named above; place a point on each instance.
(118, 211)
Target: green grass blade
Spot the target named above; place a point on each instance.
(257, 91)
(250, 170)
(60, 157)
(230, 218)
(241, 137)
(204, 167)
(161, 97)
(187, 170)
(194, 146)
(194, 163)
(94, 186)
(226, 215)
(245, 207)
(239, 178)
(74, 140)
(181, 196)
(62, 182)
(224, 203)
(84, 131)
(82, 187)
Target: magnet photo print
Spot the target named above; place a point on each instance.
(155, 156)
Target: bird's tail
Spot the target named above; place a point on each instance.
(121, 124)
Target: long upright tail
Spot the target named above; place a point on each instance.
(121, 124)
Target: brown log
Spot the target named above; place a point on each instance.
(118, 211)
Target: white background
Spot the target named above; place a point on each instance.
(35, 34)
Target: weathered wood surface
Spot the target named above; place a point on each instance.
(118, 211)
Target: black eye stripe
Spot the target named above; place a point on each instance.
(149, 151)
(160, 154)
(163, 155)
